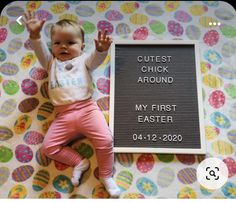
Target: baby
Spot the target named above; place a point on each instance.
(70, 90)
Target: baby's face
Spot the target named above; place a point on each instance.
(66, 45)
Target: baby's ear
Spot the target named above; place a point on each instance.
(82, 47)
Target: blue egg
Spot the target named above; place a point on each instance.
(3, 55)
(63, 184)
(146, 186)
(193, 32)
(220, 120)
(213, 57)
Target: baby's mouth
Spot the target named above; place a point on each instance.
(64, 53)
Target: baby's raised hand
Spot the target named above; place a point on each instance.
(103, 42)
(33, 25)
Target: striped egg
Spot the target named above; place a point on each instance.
(44, 90)
(232, 112)
(123, 30)
(227, 72)
(146, 186)
(175, 28)
(103, 85)
(165, 177)
(15, 11)
(166, 158)
(213, 57)
(102, 6)
(4, 174)
(205, 21)
(138, 19)
(140, 33)
(228, 49)
(212, 81)
(103, 103)
(69, 16)
(124, 180)
(187, 159)
(211, 132)
(198, 10)
(60, 166)
(231, 165)
(59, 8)
(85, 150)
(28, 105)
(5, 133)
(28, 45)
(28, 60)
(63, 184)
(228, 31)
(43, 15)
(41, 158)
(84, 11)
(106, 116)
(3, 20)
(187, 175)
(129, 7)
(10, 87)
(99, 192)
(211, 38)
(89, 27)
(217, 99)
(187, 193)
(7, 107)
(50, 195)
(33, 5)
(16, 28)
(232, 136)
(113, 15)
(40, 180)
(221, 147)
(125, 159)
(145, 163)
(33, 138)
(45, 110)
(231, 90)
(206, 191)
(18, 192)
(133, 196)
(14, 45)
(171, 6)
(38, 73)
(193, 32)
(224, 14)
(157, 26)
(22, 173)
(3, 34)
(3, 55)
(154, 10)
(182, 16)
(220, 120)
(23, 153)
(6, 154)
(22, 124)
(29, 87)
(205, 67)
(9, 69)
(105, 25)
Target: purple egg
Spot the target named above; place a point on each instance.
(113, 15)
(29, 87)
(38, 73)
(105, 25)
(182, 16)
(33, 138)
(175, 28)
(103, 85)
(23, 153)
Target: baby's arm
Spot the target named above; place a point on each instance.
(34, 26)
(102, 45)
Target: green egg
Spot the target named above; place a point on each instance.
(6, 154)
(10, 87)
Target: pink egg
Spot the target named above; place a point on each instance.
(33, 138)
(23, 153)
(175, 28)
(3, 34)
(43, 14)
(145, 163)
(105, 25)
(231, 165)
(103, 85)
(211, 37)
(113, 15)
(183, 16)
(140, 34)
(60, 166)
(217, 99)
(29, 87)
(38, 73)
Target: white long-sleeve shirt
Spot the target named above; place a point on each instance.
(68, 86)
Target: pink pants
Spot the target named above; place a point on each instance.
(82, 118)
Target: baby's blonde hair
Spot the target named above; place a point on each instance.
(64, 23)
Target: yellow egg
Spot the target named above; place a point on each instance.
(211, 132)
(212, 81)
(3, 20)
(69, 17)
(28, 60)
(171, 6)
(205, 67)
(187, 193)
(33, 5)
(22, 124)
(222, 147)
(138, 19)
(103, 6)
(129, 7)
(198, 10)
(18, 192)
(207, 21)
(59, 8)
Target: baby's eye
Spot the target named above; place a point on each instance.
(71, 42)
(57, 43)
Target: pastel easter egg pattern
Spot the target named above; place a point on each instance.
(228, 190)
(232, 112)
(133, 195)
(211, 3)
(102, 6)
(59, 8)
(140, 33)
(206, 191)
(221, 147)
(228, 49)
(217, 99)
(23, 153)
(18, 192)
(211, 38)
(224, 14)
(16, 28)
(227, 72)
(193, 32)
(38, 73)
(146, 186)
(103, 103)
(84, 11)
(45, 110)
(69, 16)
(138, 19)
(113, 15)
(4, 174)
(205, 21)
(187, 193)
(187, 175)
(88, 27)
(9, 69)
(220, 120)
(107, 71)
(99, 192)
(125, 159)
(171, 6)
(6, 154)
(212, 56)
(44, 90)
(47, 29)
(123, 30)
(29, 87)
(40, 180)
(205, 67)
(3, 20)
(14, 45)
(212, 81)
(43, 15)
(60, 166)
(103, 85)
(10, 87)
(22, 173)
(154, 10)
(41, 158)
(50, 195)
(228, 30)
(182, 16)
(157, 26)
(187, 159)
(231, 90)
(28, 105)
(3, 55)
(105, 25)
(85, 150)
(3, 34)
(28, 60)
(15, 11)
(145, 163)
(22, 124)
(211, 132)
(198, 10)
(165, 177)
(124, 180)
(129, 7)
(232, 136)
(33, 5)
(28, 45)
(231, 165)
(5, 133)
(33, 138)
(175, 28)
(166, 158)
(7, 107)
